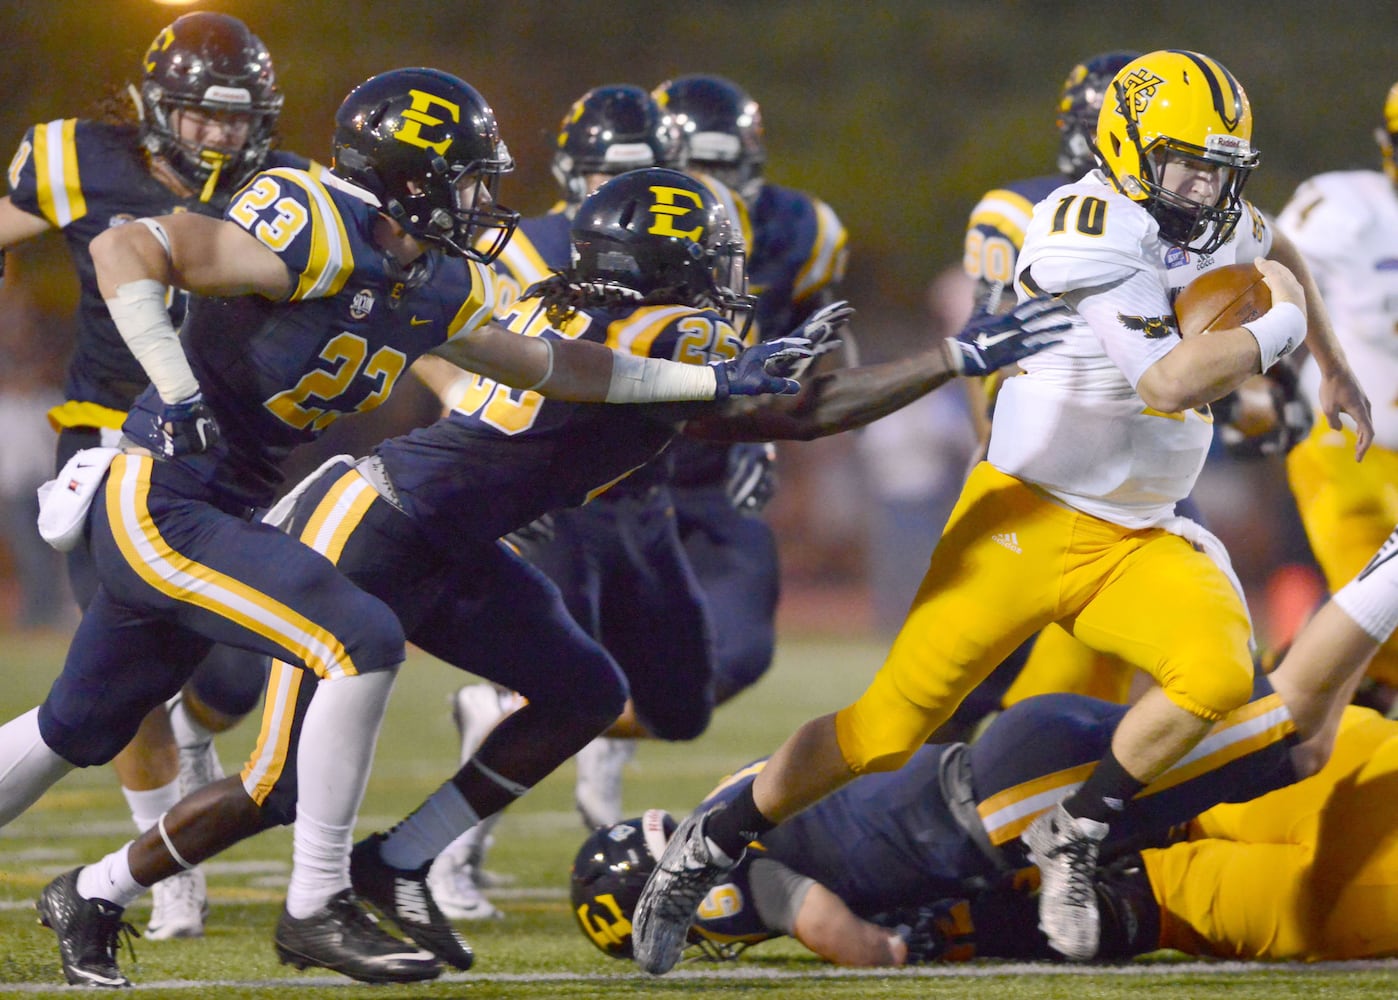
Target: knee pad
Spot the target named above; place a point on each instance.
(230, 680)
(85, 746)
(1206, 687)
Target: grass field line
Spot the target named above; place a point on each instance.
(736, 972)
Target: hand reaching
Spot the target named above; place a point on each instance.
(987, 343)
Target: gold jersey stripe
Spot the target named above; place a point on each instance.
(826, 263)
(636, 333)
(476, 311)
(330, 261)
(56, 181)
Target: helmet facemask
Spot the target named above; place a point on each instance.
(1198, 226)
(453, 206)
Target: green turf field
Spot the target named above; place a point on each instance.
(537, 950)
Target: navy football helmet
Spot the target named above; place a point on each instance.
(426, 144)
(610, 130)
(653, 229)
(610, 871)
(722, 129)
(211, 62)
(1079, 104)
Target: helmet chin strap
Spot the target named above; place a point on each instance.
(215, 162)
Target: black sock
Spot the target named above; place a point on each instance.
(732, 825)
(1105, 793)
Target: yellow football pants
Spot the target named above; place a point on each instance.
(1010, 561)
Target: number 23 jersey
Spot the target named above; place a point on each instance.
(278, 373)
(1074, 424)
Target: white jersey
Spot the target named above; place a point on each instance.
(1346, 225)
(1073, 424)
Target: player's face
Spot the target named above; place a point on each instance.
(1200, 181)
(226, 131)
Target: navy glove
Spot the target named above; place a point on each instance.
(987, 343)
(537, 533)
(820, 329)
(939, 931)
(752, 476)
(763, 369)
(172, 429)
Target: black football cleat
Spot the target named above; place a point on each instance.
(89, 931)
(404, 898)
(344, 938)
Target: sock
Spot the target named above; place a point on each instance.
(147, 807)
(338, 736)
(1104, 795)
(111, 879)
(429, 830)
(28, 766)
(319, 864)
(730, 827)
(188, 732)
(1371, 598)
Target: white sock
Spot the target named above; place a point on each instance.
(319, 864)
(429, 830)
(147, 807)
(337, 743)
(189, 733)
(111, 879)
(28, 768)
(1371, 598)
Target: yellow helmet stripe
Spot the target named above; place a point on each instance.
(56, 180)
(170, 573)
(330, 261)
(1005, 211)
(1227, 94)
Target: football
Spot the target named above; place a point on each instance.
(1224, 297)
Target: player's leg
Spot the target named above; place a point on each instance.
(980, 598)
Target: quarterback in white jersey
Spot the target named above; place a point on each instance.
(1100, 443)
(1075, 425)
(1346, 225)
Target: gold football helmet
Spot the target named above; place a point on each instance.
(1387, 133)
(1174, 105)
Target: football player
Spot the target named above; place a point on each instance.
(202, 122)
(618, 561)
(313, 295)
(862, 877)
(1346, 225)
(1071, 517)
(416, 524)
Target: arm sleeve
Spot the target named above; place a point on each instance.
(777, 893)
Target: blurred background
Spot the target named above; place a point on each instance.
(898, 114)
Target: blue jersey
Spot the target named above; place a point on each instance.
(83, 177)
(798, 251)
(540, 246)
(505, 456)
(995, 233)
(276, 374)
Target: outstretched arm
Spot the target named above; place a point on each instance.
(849, 398)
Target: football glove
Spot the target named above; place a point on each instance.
(752, 476)
(536, 533)
(820, 329)
(935, 932)
(763, 369)
(987, 343)
(173, 429)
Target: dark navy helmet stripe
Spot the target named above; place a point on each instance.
(1218, 77)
